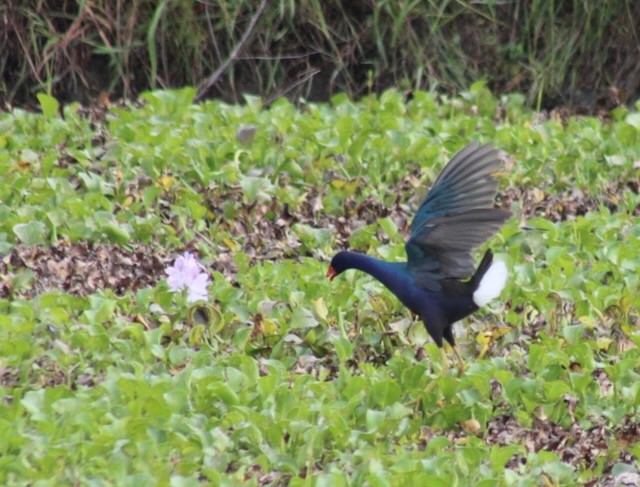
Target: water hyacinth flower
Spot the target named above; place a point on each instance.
(187, 273)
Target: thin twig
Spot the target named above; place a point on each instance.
(304, 79)
(234, 54)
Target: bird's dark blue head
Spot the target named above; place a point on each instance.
(340, 263)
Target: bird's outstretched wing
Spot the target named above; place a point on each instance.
(456, 216)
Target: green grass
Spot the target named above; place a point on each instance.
(274, 385)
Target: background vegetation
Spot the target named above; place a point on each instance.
(557, 53)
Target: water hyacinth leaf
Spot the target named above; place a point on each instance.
(343, 347)
(573, 334)
(312, 237)
(388, 226)
(500, 456)
(116, 233)
(386, 392)
(32, 233)
(375, 419)
(256, 187)
(302, 318)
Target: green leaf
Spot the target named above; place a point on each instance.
(633, 119)
(388, 226)
(255, 187)
(573, 333)
(386, 392)
(556, 389)
(375, 419)
(500, 456)
(32, 233)
(116, 233)
(48, 104)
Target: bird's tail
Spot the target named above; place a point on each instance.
(489, 279)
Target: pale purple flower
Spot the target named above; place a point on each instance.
(187, 273)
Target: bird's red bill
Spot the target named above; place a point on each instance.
(331, 273)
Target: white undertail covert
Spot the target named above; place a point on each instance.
(491, 284)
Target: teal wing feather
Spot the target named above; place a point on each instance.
(456, 216)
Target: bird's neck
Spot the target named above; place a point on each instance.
(391, 274)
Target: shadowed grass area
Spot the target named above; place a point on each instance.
(566, 52)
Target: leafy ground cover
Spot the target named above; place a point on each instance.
(108, 378)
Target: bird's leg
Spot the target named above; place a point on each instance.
(445, 363)
(461, 365)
